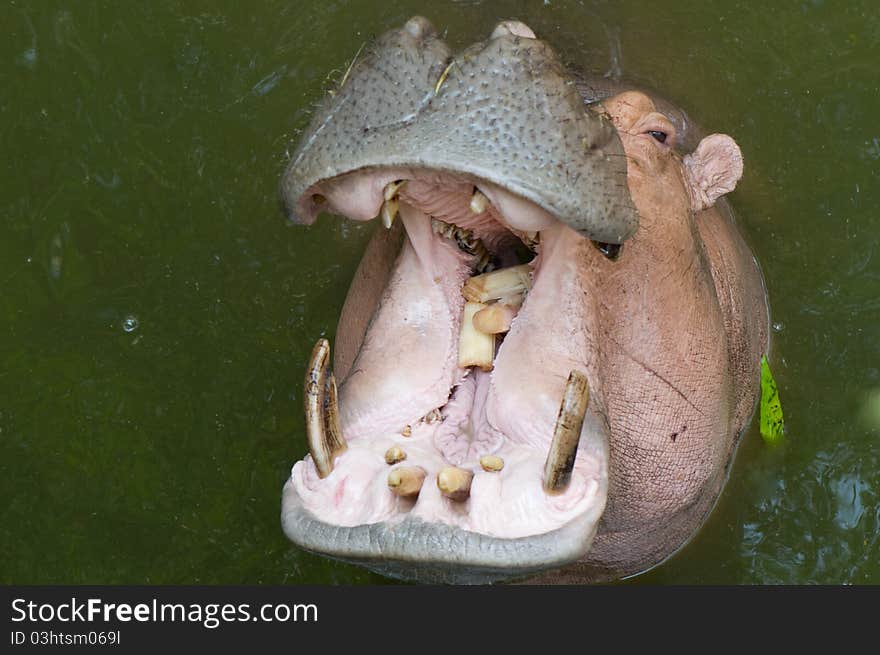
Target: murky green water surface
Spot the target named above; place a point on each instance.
(156, 311)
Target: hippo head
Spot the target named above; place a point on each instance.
(547, 359)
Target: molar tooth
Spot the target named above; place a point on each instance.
(475, 348)
(455, 483)
(567, 434)
(406, 481)
(491, 463)
(530, 239)
(485, 261)
(479, 202)
(394, 455)
(498, 284)
(322, 413)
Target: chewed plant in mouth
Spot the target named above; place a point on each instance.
(549, 351)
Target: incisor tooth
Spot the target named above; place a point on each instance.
(394, 455)
(389, 212)
(491, 463)
(392, 188)
(495, 318)
(455, 483)
(498, 284)
(567, 434)
(406, 481)
(479, 202)
(475, 348)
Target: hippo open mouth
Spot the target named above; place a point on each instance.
(463, 446)
(504, 380)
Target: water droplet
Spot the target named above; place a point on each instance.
(778, 326)
(130, 323)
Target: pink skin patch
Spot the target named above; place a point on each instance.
(408, 366)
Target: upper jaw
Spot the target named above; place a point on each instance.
(504, 111)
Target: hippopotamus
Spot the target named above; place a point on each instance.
(551, 347)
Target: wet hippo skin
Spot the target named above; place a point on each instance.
(545, 362)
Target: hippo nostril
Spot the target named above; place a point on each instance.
(419, 27)
(514, 27)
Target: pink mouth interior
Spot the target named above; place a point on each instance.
(408, 368)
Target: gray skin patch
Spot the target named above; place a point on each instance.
(505, 111)
(433, 552)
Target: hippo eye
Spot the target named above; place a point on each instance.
(657, 134)
(610, 250)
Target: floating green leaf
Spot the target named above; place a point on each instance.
(772, 424)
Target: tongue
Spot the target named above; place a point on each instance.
(408, 361)
(465, 434)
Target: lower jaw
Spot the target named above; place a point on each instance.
(434, 552)
(509, 503)
(507, 526)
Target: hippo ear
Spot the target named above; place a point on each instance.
(712, 170)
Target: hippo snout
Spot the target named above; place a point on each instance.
(504, 112)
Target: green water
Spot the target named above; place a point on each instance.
(156, 311)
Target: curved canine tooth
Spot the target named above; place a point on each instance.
(479, 202)
(336, 443)
(315, 393)
(406, 481)
(567, 434)
(455, 483)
